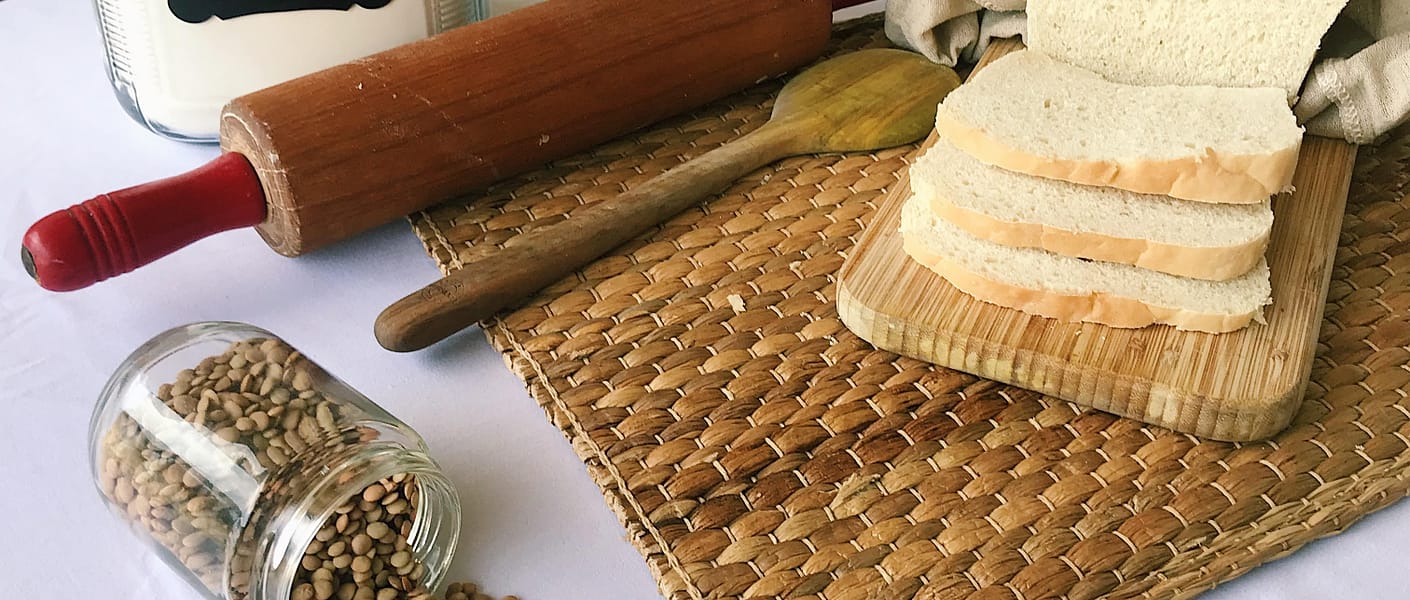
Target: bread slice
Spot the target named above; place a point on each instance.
(1260, 43)
(1026, 112)
(1179, 237)
(1073, 289)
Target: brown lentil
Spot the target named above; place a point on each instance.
(381, 571)
(469, 591)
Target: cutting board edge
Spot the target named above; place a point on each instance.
(1201, 412)
(1225, 419)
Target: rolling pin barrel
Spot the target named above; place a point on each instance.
(358, 145)
(343, 150)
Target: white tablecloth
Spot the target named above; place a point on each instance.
(535, 525)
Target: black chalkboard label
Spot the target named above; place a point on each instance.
(200, 11)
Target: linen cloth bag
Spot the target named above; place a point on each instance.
(1358, 88)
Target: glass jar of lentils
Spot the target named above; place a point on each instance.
(257, 475)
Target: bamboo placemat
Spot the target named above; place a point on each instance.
(753, 447)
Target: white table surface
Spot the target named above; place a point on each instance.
(535, 525)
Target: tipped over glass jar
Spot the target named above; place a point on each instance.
(258, 475)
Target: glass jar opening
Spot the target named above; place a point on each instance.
(381, 506)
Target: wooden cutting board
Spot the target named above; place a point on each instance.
(1237, 386)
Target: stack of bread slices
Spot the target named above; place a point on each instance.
(1081, 196)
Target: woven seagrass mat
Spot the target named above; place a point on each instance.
(753, 447)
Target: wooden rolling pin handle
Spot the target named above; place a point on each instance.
(120, 231)
(537, 258)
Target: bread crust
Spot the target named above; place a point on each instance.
(1215, 264)
(1099, 307)
(1208, 177)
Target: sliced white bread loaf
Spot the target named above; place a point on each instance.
(1029, 113)
(1260, 43)
(1073, 289)
(1190, 239)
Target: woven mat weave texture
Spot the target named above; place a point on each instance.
(753, 447)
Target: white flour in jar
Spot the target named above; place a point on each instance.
(174, 76)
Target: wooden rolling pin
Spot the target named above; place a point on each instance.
(335, 153)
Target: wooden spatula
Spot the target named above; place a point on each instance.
(860, 101)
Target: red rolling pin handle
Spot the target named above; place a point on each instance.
(120, 231)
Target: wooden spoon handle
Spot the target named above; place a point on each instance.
(537, 258)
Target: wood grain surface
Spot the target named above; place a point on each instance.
(1238, 386)
(346, 149)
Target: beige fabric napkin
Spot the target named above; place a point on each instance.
(952, 31)
(1360, 86)
(1358, 89)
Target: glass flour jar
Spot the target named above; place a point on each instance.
(248, 468)
(175, 63)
